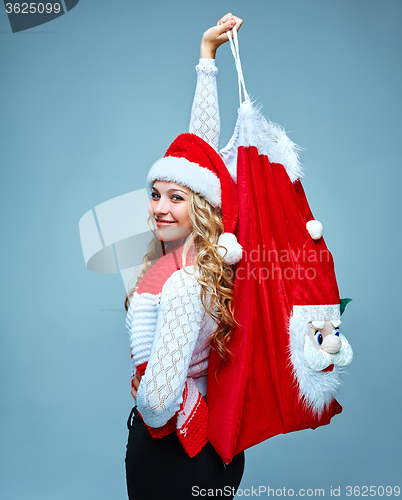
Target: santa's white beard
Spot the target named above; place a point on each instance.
(316, 388)
(318, 359)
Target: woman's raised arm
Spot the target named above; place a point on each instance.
(205, 119)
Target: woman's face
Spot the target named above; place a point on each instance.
(168, 209)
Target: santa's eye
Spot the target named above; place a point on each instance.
(318, 337)
(336, 332)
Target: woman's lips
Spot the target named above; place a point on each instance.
(164, 223)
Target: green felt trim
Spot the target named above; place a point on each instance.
(344, 303)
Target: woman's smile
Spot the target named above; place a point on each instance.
(163, 222)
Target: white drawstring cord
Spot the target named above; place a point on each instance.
(236, 54)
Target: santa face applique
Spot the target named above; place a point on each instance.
(318, 353)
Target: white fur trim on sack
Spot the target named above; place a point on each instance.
(234, 249)
(186, 173)
(253, 129)
(315, 229)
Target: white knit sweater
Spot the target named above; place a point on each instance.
(174, 322)
(177, 327)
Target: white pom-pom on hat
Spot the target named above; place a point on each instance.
(315, 229)
(234, 249)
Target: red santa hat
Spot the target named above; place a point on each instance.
(192, 162)
(316, 295)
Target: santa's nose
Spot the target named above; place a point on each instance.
(331, 344)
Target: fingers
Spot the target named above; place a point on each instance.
(230, 17)
(135, 383)
(224, 19)
(137, 379)
(222, 28)
(216, 36)
(239, 22)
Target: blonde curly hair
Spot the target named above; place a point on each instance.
(214, 274)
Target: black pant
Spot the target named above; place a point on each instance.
(159, 469)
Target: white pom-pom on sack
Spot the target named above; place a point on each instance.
(233, 247)
(315, 229)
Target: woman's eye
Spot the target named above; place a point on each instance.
(318, 337)
(336, 332)
(175, 197)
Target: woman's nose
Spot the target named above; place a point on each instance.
(162, 207)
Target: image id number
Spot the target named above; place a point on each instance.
(373, 491)
(32, 8)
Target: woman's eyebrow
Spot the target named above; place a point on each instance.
(174, 189)
(170, 190)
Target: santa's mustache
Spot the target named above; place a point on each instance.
(318, 359)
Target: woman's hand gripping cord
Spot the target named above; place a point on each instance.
(216, 36)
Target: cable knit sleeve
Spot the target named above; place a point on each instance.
(180, 315)
(205, 120)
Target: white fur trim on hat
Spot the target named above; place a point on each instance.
(319, 312)
(234, 249)
(182, 171)
(315, 229)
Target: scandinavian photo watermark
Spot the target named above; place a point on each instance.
(261, 264)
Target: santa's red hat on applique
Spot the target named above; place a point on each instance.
(315, 294)
(317, 359)
(192, 162)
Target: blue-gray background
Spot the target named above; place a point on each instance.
(88, 102)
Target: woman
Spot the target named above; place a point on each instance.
(182, 305)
